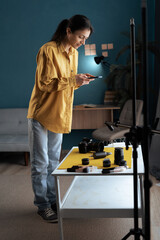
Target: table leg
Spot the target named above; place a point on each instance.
(142, 202)
(58, 195)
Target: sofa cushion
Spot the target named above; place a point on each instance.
(13, 121)
(14, 143)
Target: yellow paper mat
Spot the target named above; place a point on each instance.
(75, 158)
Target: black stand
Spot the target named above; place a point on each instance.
(139, 135)
(134, 137)
(143, 137)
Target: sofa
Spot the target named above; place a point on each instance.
(14, 131)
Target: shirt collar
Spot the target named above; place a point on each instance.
(71, 50)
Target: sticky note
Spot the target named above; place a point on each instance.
(104, 46)
(105, 54)
(110, 45)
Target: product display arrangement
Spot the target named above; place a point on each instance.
(93, 191)
(92, 159)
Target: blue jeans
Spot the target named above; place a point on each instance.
(45, 149)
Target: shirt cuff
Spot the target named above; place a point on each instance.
(72, 81)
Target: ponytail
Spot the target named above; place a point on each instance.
(60, 33)
(77, 22)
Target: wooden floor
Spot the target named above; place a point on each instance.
(14, 165)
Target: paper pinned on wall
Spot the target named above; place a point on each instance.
(104, 46)
(90, 49)
(110, 45)
(87, 52)
(105, 54)
(93, 46)
(93, 52)
(87, 47)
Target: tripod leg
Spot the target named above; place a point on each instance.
(134, 233)
(127, 236)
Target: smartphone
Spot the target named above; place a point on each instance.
(95, 77)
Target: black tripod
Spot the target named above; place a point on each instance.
(139, 135)
(134, 137)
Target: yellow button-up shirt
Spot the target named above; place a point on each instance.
(52, 96)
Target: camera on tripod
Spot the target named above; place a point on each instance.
(86, 145)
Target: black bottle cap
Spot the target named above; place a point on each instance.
(85, 161)
(106, 162)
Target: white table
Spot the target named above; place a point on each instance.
(95, 195)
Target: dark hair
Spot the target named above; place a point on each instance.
(77, 22)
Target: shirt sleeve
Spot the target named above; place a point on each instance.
(76, 86)
(47, 75)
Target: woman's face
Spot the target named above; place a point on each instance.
(77, 38)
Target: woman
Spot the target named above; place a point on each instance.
(50, 107)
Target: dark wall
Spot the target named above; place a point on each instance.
(26, 25)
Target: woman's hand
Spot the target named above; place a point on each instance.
(83, 79)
